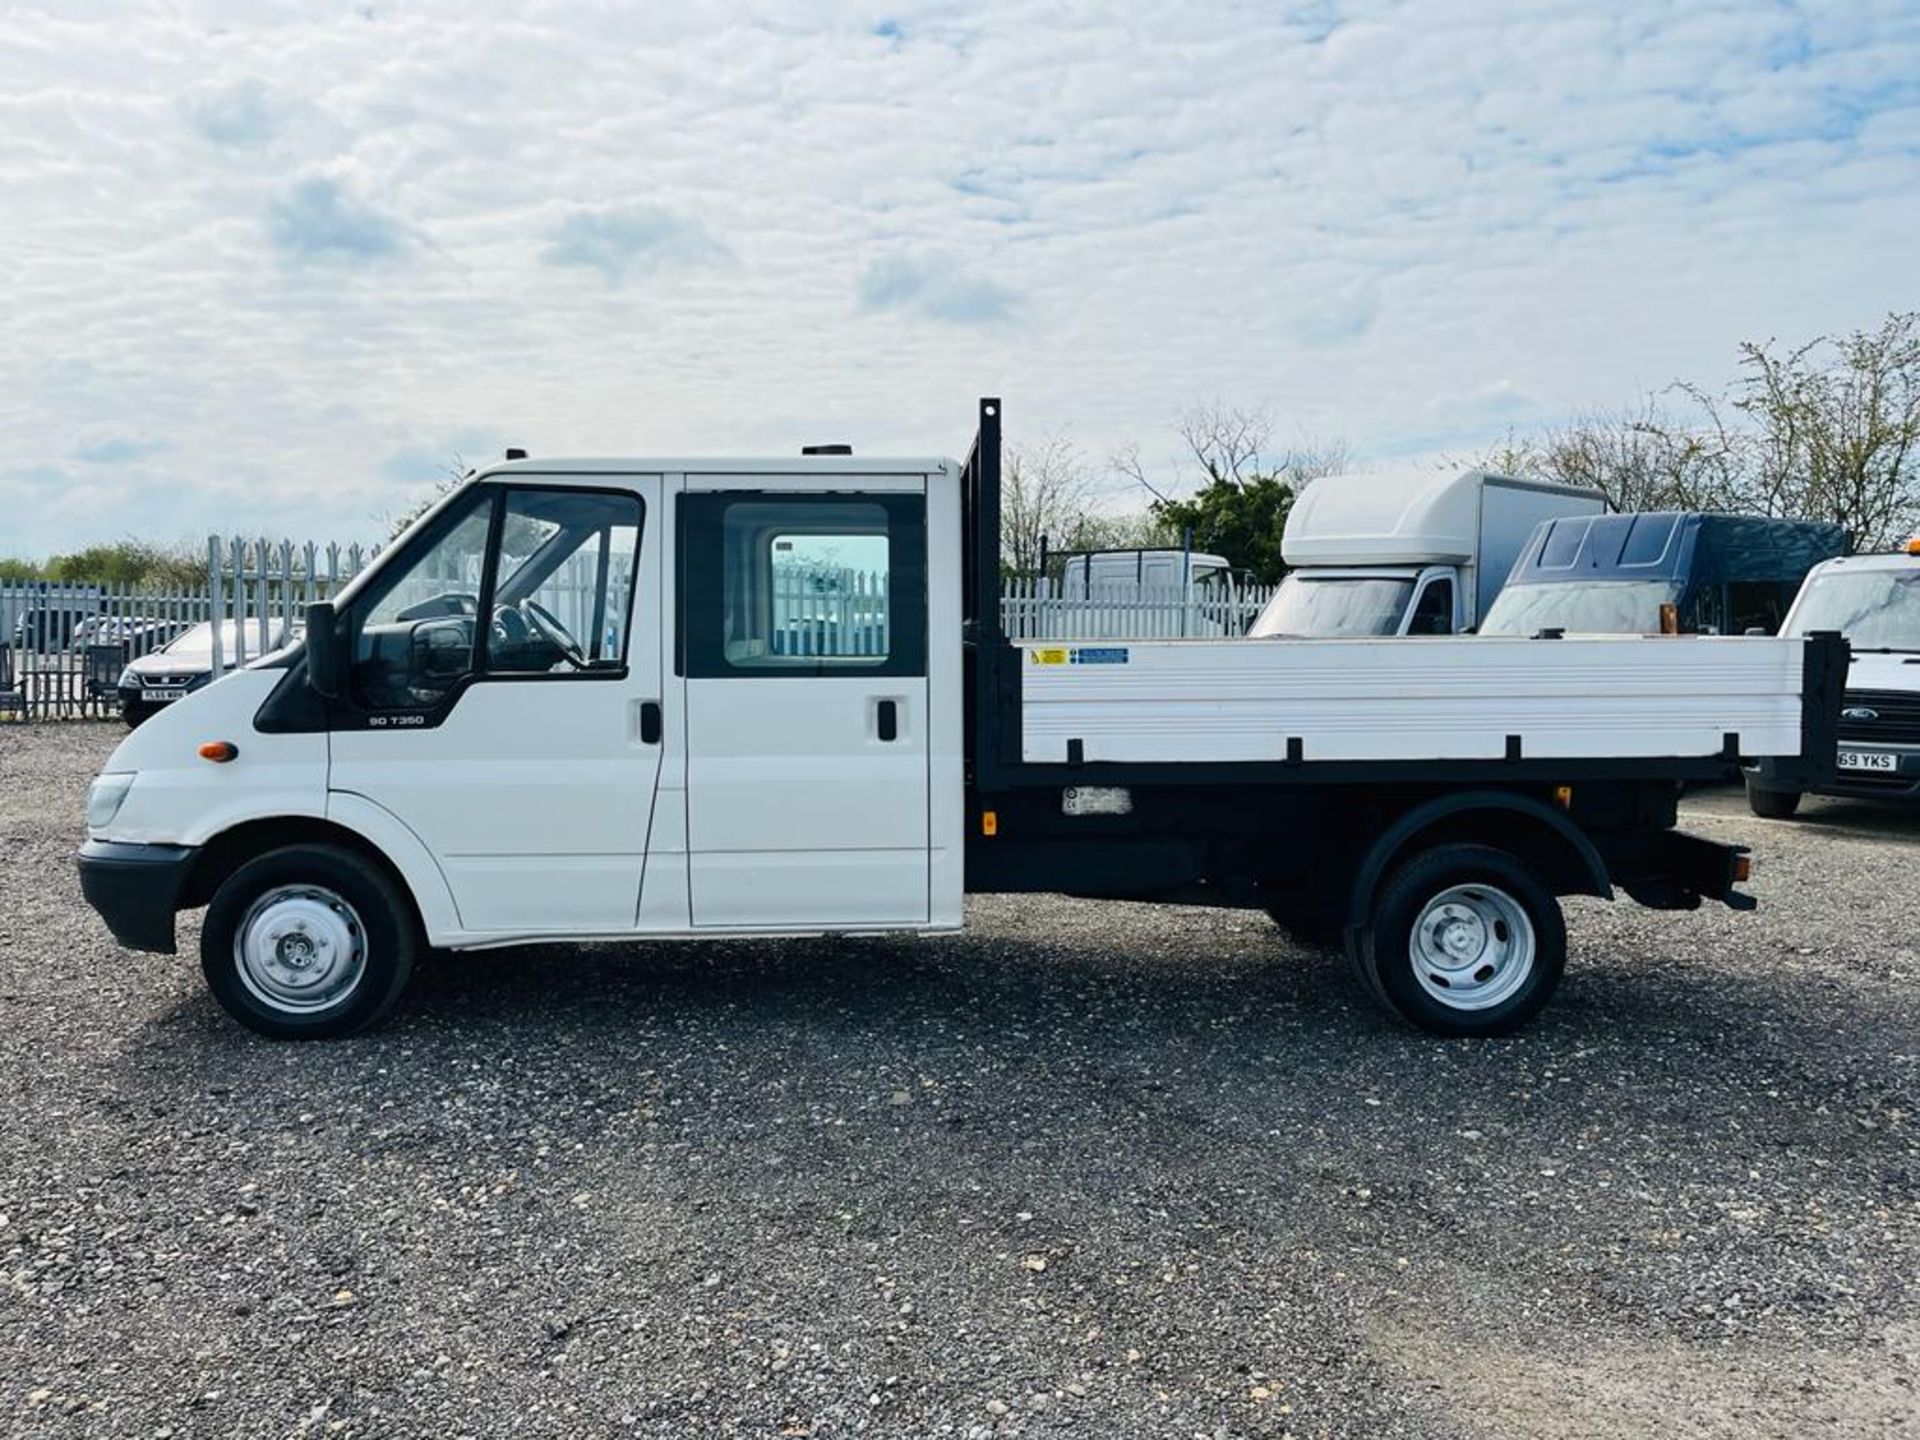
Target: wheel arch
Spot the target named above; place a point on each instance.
(1538, 833)
(233, 847)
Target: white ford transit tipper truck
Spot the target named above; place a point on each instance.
(1410, 552)
(578, 701)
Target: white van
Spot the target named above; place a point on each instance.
(1873, 600)
(1407, 552)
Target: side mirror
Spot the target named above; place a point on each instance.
(326, 658)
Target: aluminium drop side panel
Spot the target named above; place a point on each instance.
(1508, 514)
(1440, 698)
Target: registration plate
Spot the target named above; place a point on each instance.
(1868, 760)
(159, 697)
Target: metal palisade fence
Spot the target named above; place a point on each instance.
(1033, 608)
(63, 646)
(264, 586)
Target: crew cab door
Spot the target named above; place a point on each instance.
(803, 640)
(503, 700)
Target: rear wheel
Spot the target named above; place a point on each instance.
(309, 942)
(1464, 940)
(1772, 804)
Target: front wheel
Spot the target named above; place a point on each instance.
(1772, 804)
(308, 942)
(1464, 940)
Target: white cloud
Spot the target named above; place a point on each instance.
(933, 287)
(639, 238)
(290, 252)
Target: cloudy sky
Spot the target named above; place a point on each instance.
(270, 265)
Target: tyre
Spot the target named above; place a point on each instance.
(1772, 804)
(309, 942)
(135, 715)
(1464, 940)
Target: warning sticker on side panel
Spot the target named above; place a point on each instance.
(1048, 657)
(1111, 655)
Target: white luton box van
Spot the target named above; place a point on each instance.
(613, 699)
(1408, 552)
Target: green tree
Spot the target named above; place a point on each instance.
(131, 565)
(14, 568)
(1240, 510)
(1240, 519)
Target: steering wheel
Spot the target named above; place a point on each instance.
(510, 628)
(555, 634)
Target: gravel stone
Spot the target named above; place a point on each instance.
(1137, 1184)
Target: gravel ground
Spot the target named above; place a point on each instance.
(1098, 1170)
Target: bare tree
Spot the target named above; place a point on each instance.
(452, 476)
(1046, 493)
(1829, 431)
(1640, 457)
(1834, 428)
(1234, 446)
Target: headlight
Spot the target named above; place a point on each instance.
(105, 798)
(128, 680)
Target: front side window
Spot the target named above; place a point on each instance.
(413, 633)
(804, 584)
(1756, 605)
(1434, 614)
(552, 572)
(564, 582)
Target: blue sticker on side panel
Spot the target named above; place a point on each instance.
(1098, 656)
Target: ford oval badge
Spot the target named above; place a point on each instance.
(1859, 712)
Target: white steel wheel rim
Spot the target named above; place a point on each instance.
(300, 949)
(1472, 947)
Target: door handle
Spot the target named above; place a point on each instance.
(887, 720)
(649, 722)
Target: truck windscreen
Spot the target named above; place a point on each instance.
(1335, 606)
(1601, 607)
(1874, 609)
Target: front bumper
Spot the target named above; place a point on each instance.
(133, 697)
(1900, 783)
(136, 889)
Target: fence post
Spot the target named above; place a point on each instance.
(214, 586)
